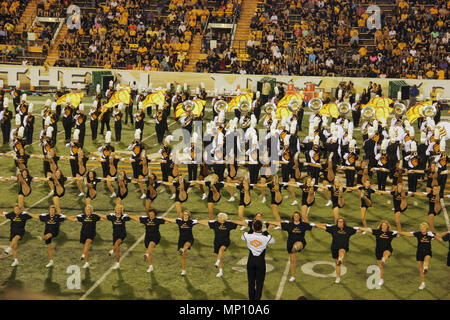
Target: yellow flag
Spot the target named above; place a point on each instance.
(74, 97)
(234, 103)
(284, 102)
(154, 98)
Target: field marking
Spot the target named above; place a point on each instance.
(283, 280)
(103, 277)
(447, 220)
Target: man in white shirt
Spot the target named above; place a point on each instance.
(256, 263)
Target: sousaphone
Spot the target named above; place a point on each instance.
(269, 107)
(315, 104)
(429, 111)
(344, 108)
(188, 106)
(294, 105)
(368, 112)
(399, 108)
(220, 105)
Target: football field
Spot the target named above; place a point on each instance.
(315, 266)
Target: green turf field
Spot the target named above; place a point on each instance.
(132, 282)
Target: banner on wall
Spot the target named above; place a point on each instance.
(34, 76)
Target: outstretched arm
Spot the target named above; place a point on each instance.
(135, 218)
(406, 234)
(169, 219)
(240, 222)
(203, 222)
(102, 216)
(33, 215)
(275, 223)
(366, 229)
(321, 226)
(72, 218)
(440, 235)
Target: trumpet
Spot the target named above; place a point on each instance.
(399, 108)
(244, 106)
(220, 105)
(344, 108)
(315, 104)
(294, 105)
(368, 112)
(269, 107)
(429, 111)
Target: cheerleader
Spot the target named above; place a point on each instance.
(109, 162)
(21, 159)
(432, 176)
(24, 180)
(214, 196)
(308, 191)
(288, 174)
(441, 160)
(152, 234)
(117, 114)
(88, 230)
(383, 248)
(91, 181)
(18, 219)
(181, 194)
(275, 196)
(337, 192)
(80, 123)
(137, 160)
(58, 180)
(445, 236)
(424, 253)
(222, 227)
(122, 186)
(77, 160)
(314, 160)
(93, 115)
(341, 234)
(412, 161)
(118, 220)
(434, 204)
(296, 242)
(50, 159)
(366, 202)
(244, 196)
(186, 238)
(52, 222)
(151, 193)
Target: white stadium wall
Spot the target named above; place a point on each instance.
(70, 77)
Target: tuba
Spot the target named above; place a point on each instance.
(220, 105)
(188, 106)
(294, 106)
(315, 104)
(429, 111)
(368, 112)
(269, 107)
(399, 108)
(344, 108)
(244, 106)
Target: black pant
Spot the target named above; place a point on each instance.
(314, 173)
(67, 124)
(105, 120)
(256, 272)
(29, 135)
(219, 169)
(82, 129)
(129, 112)
(160, 130)
(412, 182)
(442, 180)
(350, 178)
(356, 116)
(6, 128)
(94, 129)
(381, 179)
(300, 119)
(118, 130)
(192, 171)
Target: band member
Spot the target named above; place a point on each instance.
(349, 165)
(53, 120)
(257, 243)
(67, 119)
(296, 242)
(109, 162)
(186, 238)
(5, 121)
(441, 160)
(382, 166)
(106, 115)
(22, 108)
(52, 222)
(244, 196)
(2, 95)
(138, 160)
(383, 248)
(18, 219)
(16, 93)
(222, 227)
(59, 93)
(139, 117)
(424, 253)
(314, 165)
(341, 234)
(118, 219)
(93, 115)
(152, 234)
(413, 163)
(77, 160)
(80, 123)
(117, 114)
(28, 123)
(369, 147)
(161, 122)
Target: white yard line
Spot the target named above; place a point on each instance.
(103, 277)
(283, 281)
(173, 122)
(447, 220)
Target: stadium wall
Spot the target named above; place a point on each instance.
(32, 77)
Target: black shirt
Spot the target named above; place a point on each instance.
(296, 232)
(185, 228)
(88, 222)
(447, 238)
(384, 239)
(221, 230)
(52, 223)
(19, 221)
(423, 240)
(151, 225)
(367, 192)
(118, 222)
(340, 236)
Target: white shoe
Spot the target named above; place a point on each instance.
(291, 279)
(150, 268)
(111, 252)
(204, 196)
(243, 227)
(337, 280)
(15, 263)
(183, 272)
(328, 203)
(422, 286)
(230, 200)
(220, 274)
(263, 200)
(113, 195)
(50, 264)
(116, 266)
(86, 265)
(294, 203)
(380, 283)
(217, 263)
(82, 257)
(162, 190)
(7, 250)
(81, 194)
(50, 193)
(363, 232)
(143, 196)
(172, 197)
(277, 228)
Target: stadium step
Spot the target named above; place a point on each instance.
(28, 15)
(194, 53)
(243, 25)
(53, 54)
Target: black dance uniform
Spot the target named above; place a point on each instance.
(93, 182)
(176, 184)
(423, 244)
(47, 164)
(447, 238)
(106, 153)
(52, 224)
(341, 238)
(218, 186)
(28, 182)
(74, 149)
(18, 223)
(305, 191)
(152, 233)
(384, 240)
(271, 187)
(61, 181)
(148, 195)
(186, 235)
(367, 192)
(296, 233)
(334, 196)
(221, 233)
(431, 200)
(88, 227)
(125, 182)
(118, 223)
(242, 194)
(21, 159)
(397, 199)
